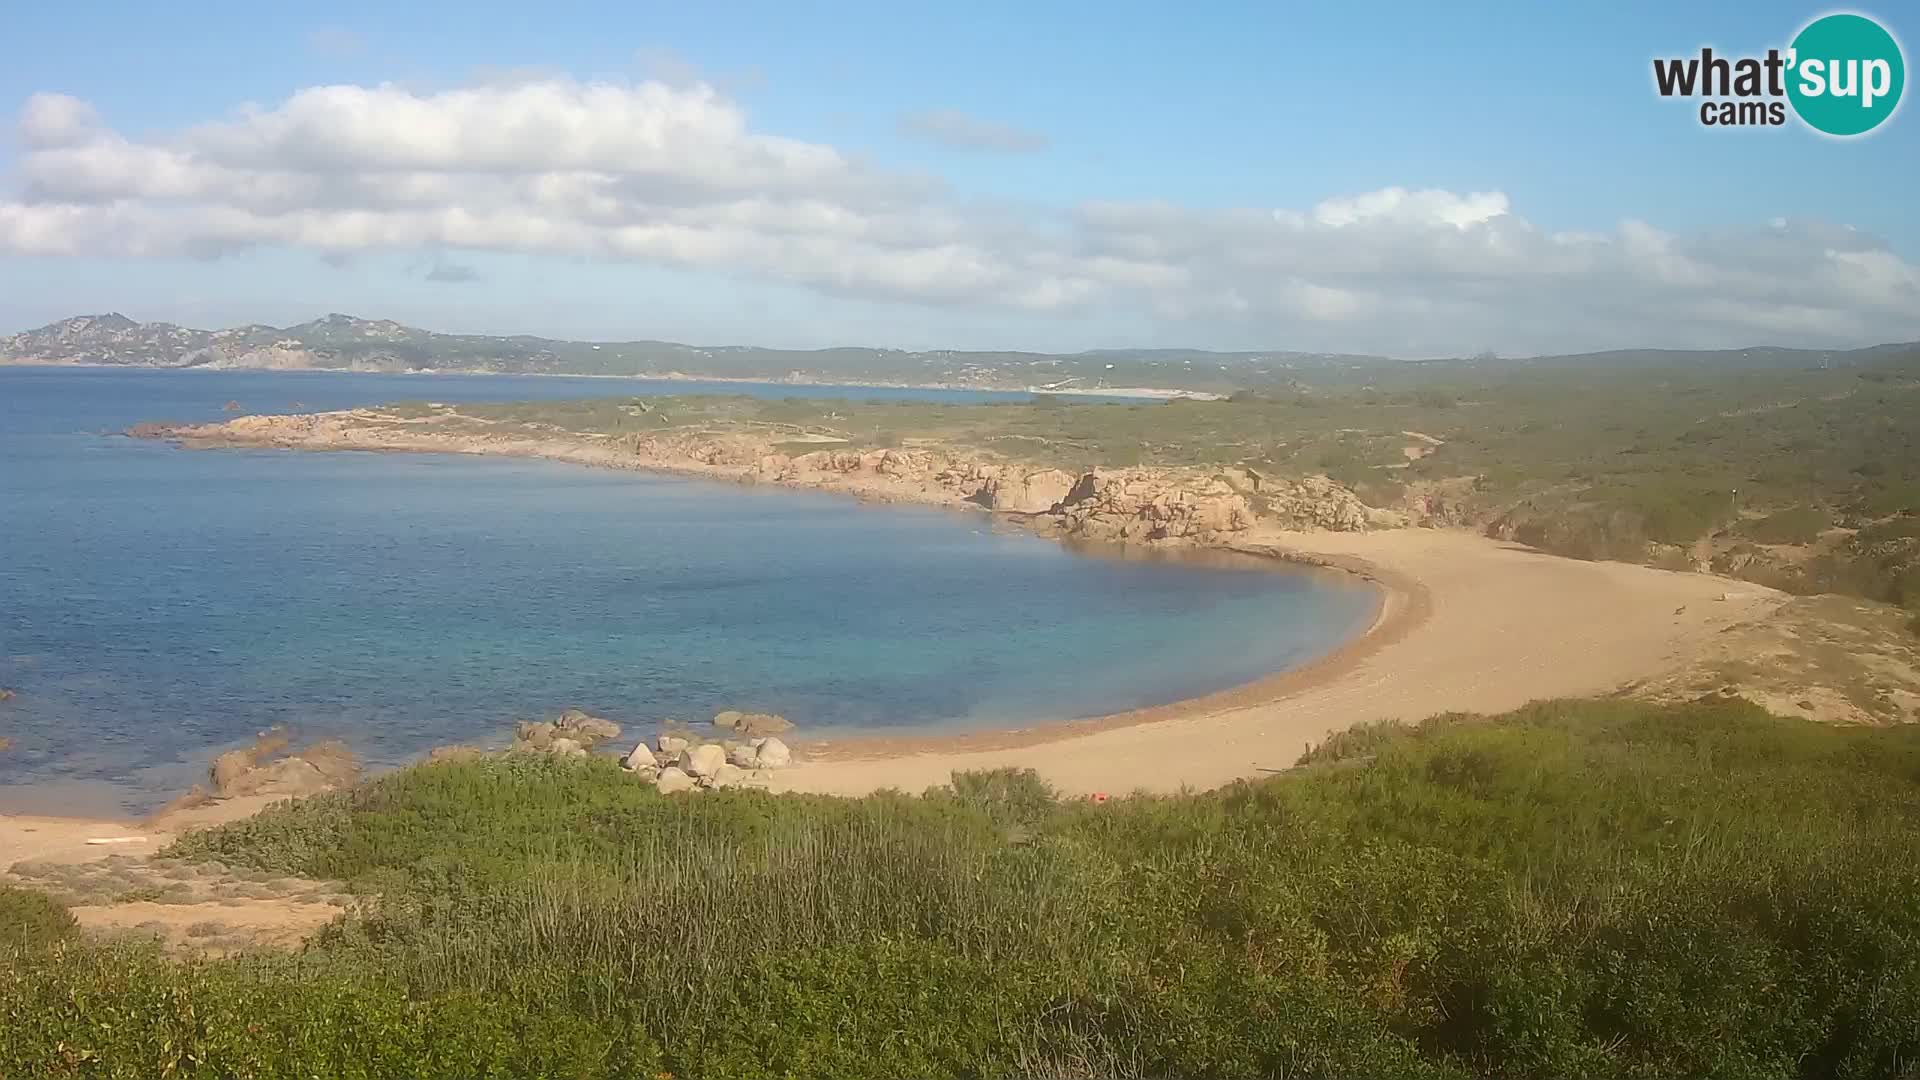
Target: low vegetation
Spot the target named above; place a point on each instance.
(1804, 480)
(1592, 889)
(31, 921)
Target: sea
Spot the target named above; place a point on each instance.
(159, 605)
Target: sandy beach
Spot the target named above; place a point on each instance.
(1470, 624)
(50, 838)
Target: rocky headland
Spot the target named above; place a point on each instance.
(1168, 506)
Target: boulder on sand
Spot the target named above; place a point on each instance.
(704, 760)
(672, 780)
(671, 746)
(727, 775)
(743, 757)
(642, 759)
(773, 754)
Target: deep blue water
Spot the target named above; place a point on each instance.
(158, 605)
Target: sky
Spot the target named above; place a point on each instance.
(1394, 177)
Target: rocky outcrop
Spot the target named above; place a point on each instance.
(1017, 491)
(1312, 502)
(1151, 505)
(1133, 505)
(572, 734)
(586, 727)
(690, 766)
(1447, 503)
(748, 725)
(256, 770)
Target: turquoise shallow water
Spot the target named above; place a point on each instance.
(158, 605)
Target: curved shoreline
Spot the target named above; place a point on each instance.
(1401, 602)
(1465, 624)
(1479, 626)
(1401, 605)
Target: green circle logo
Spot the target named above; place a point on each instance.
(1845, 75)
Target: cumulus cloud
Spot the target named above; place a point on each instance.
(52, 121)
(675, 175)
(962, 131)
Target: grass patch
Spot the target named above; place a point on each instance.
(31, 920)
(1603, 888)
(1794, 525)
(1588, 463)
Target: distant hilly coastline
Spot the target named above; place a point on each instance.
(347, 343)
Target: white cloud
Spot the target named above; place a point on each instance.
(675, 176)
(1415, 209)
(49, 121)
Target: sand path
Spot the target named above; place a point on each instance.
(221, 912)
(40, 838)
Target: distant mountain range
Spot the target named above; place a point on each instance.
(343, 342)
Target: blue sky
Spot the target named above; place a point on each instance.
(1623, 220)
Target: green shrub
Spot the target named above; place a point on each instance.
(1004, 794)
(1602, 888)
(32, 920)
(1681, 517)
(123, 1011)
(1796, 525)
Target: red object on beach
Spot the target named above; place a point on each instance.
(1098, 796)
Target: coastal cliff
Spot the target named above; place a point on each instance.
(1139, 504)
